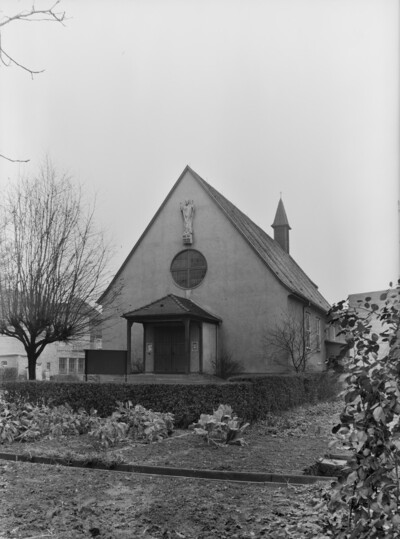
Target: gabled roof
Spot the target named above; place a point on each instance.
(270, 252)
(280, 216)
(171, 306)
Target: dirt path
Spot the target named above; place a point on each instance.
(51, 501)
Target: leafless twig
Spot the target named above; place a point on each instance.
(31, 15)
(14, 160)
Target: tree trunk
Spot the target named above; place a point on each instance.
(32, 366)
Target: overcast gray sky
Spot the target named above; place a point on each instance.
(259, 97)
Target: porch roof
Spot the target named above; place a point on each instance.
(171, 307)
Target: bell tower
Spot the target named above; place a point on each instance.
(281, 227)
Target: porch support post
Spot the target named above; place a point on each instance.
(129, 324)
(187, 344)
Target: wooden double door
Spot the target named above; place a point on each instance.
(170, 349)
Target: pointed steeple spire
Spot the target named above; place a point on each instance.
(281, 226)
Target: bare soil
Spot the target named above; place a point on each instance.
(55, 501)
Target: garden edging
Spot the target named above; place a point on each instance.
(254, 477)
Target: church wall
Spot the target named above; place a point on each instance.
(195, 343)
(149, 348)
(238, 286)
(209, 338)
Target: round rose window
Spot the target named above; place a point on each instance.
(188, 268)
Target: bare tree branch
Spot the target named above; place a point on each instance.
(49, 14)
(14, 160)
(32, 15)
(288, 339)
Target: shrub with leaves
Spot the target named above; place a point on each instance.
(145, 424)
(366, 501)
(221, 428)
(131, 422)
(26, 422)
(108, 432)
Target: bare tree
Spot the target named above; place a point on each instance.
(48, 14)
(291, 338)
(53, 263)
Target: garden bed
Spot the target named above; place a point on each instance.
(304, 433)
(38, 500)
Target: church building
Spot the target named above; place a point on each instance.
(204, 282)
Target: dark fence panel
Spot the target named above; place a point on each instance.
(106, 362)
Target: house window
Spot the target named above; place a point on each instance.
(81, 365)
(318, 333)
(4, 363)
(63, 365)
(188, 268)
(72, 365)
(333, 333)
(307, 331)
(48, 366)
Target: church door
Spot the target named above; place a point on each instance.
(169, 349)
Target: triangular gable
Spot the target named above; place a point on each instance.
(170, 306)
(271, 253)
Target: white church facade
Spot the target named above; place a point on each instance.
(205, 281)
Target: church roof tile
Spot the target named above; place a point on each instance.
(270, 252)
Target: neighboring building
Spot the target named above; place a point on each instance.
(357, 302)
(57, 359)
(204, 280)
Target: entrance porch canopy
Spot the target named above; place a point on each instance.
(170, 309)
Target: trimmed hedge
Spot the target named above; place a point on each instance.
(250, 398)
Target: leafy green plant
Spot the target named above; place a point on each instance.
(221, 428)
(9, 427)
(366, 501)
(108, 432)
(145, 424)
(26, 422)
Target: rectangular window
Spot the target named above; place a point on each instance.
(307, 331)
(4, 363)
(48, 366)
(333, 333)
(63, 365)
(318, 333)
(81, 365)
(72, 365)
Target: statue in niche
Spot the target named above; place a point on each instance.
(187, 209)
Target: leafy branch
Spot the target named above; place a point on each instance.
(368, 496)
